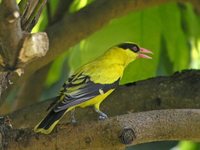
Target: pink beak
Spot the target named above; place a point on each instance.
(144, 51)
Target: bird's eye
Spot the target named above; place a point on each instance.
(135, 48)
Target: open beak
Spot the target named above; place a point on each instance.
(143, 52)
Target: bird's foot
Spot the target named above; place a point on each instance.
(74, 122)
(73, 119)
(103, 117)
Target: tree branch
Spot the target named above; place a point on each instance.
(10, 33)
(62, 9)
(133, 128)
(180, 90)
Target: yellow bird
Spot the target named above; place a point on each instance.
(91, 84)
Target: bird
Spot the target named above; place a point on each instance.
(91, 84)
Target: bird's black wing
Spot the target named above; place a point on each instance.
(79, 89)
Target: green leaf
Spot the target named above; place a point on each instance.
(191, 27)
(189, 20)
(79, 4)
(55, 72)
(149, 37)
(188, 145)
(176, 42)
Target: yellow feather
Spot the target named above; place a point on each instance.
(93, 101)
(44, 131)
(49, 130)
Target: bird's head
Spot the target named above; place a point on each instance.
(133, 51)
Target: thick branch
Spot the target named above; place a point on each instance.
(180, 90)
(62, 9)
(133, 128)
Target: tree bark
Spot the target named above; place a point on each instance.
(11, 34)
(114, 133)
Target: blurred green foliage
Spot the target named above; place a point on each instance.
(188, 145)
(166, 30)
(171, 31)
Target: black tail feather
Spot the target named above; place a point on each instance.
(48, 121)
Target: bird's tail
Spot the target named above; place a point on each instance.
(49, 122)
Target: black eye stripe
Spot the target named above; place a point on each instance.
(130, 46)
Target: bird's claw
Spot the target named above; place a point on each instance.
(103, 117)
(73, 119)
(74, 122)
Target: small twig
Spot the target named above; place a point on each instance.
(30, 11)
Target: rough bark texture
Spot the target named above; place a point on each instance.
(114, 133)
(11, 34)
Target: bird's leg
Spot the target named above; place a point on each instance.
(73, 119)
(102, 116)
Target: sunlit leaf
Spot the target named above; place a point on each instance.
(78, 4)
(187, 145)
